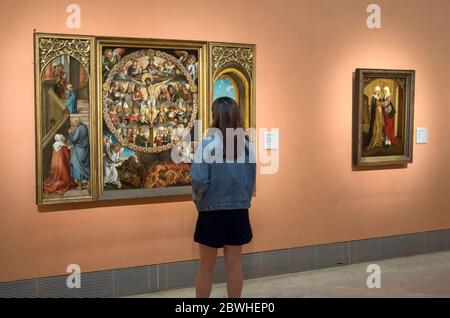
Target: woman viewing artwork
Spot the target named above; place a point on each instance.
(223, 178)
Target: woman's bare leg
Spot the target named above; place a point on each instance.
(203, 283)
(234, 271)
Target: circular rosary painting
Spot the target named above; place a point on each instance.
(149, 100)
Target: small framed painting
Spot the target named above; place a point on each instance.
(383, 117)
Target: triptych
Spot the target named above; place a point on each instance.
(109, 112)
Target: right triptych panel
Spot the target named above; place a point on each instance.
(232, 72)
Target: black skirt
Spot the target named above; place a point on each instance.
(223, 227)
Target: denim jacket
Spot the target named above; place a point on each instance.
(222, 185)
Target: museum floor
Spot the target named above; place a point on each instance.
(424, 275)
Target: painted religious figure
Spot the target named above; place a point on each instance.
(71, 101)
(80, 153)
(59, 180)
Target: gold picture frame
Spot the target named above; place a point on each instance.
(383, 118)
(53, 117)
(237, 63)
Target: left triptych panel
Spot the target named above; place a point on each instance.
(65, 118)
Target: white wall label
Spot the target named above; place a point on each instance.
(271, 139)
(422, 135)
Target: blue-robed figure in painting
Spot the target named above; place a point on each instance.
(71, 101)
(79, 155)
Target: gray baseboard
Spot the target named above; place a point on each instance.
(159, 277)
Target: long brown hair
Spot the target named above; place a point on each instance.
(226, 114)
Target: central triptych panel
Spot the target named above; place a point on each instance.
(151, 93)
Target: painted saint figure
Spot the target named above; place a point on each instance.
(134, 69)
(372, 107)
(377, 140)
(111, 161)
(79, 159)
(59, 180)
(71, 101)
(61, 80)
(141, 140)
(137, 97)
(389, 118)
(110, 58)
(192, 66)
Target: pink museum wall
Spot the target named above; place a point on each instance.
(306, 53)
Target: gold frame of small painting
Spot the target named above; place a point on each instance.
(383, 118)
